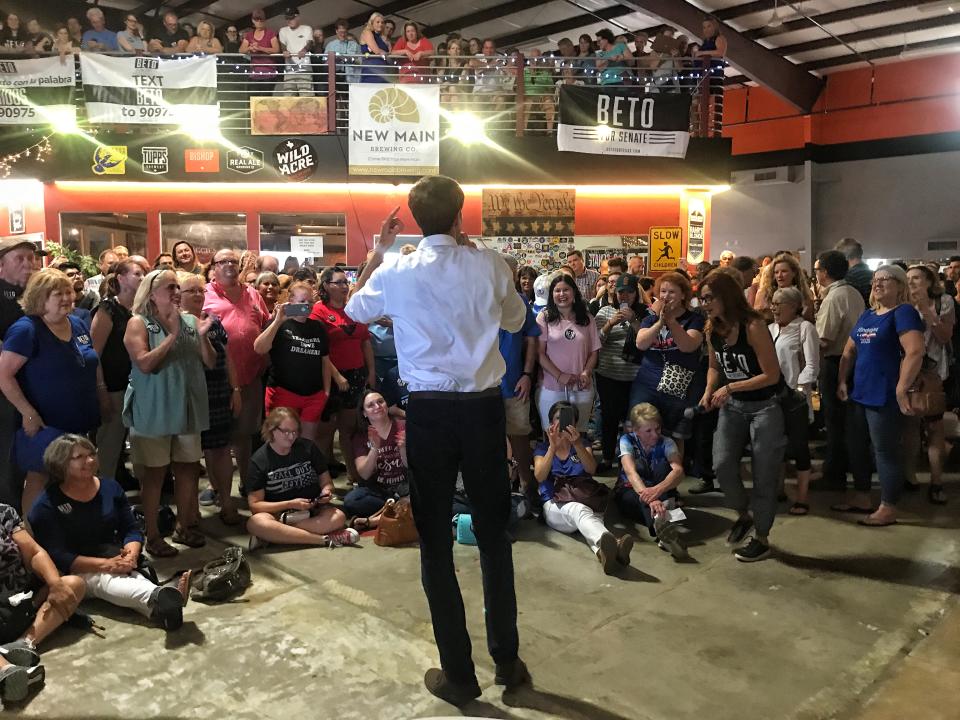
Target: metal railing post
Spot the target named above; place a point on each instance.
(332, 93)
(521, 92)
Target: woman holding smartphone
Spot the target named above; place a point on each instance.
(569, 349)
(298, 347)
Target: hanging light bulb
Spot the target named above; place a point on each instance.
(775, 21)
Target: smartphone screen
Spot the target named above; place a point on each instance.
(298, 309)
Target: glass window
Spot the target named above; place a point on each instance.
(207, 232)
(319, 240)
(92, 233)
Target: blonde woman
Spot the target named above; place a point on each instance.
(452, 74)
(783, 272)
(375, 49)
(205, 41)
(165, 406)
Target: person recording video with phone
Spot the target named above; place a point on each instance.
(295, 342)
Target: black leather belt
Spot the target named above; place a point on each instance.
(443, 395)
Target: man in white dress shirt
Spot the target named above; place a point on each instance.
(449, 356)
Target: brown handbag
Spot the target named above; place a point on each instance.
(396, 526)
(927, 397)
(582, 489)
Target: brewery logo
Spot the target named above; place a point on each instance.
(156, 160)
(110, 160)
(245, 160)
(295, 159)
(201, 160)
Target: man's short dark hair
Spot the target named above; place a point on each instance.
(342, 23)
(575, 252)
(953, 258)
(68, 265)
(435, 202)
(834, 264)
(744, 263)
(605, 34)
(617, 262)
(851, 248)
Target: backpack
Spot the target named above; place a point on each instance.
(223, 578)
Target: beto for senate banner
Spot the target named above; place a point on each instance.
(623, 121)
(36, 91)
(394, 130)
(146, 90)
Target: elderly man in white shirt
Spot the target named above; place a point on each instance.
(449, 356)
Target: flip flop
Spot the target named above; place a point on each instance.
(799, 508)
(867, 522)
(847, 508)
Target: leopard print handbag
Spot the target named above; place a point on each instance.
(675, 380)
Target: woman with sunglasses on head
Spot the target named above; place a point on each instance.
(50, 372)
(744, 382)
(166, 403)
(936, 308)
(290, 490)
(354, 367)
(885, 354)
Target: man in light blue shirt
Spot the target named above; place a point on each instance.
(98, 38)
(341, 44)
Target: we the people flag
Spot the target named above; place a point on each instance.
(148, 90)
(37, 91)
(623, 121)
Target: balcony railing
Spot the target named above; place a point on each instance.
(515, 94)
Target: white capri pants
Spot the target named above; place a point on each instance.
(130, 591)
(569, 517)
(581, 399)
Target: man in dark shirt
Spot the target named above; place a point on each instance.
(16, 266)
(170, 39)
(859, 275)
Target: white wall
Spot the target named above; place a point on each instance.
(759, 219)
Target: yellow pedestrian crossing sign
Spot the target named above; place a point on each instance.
(666, 244)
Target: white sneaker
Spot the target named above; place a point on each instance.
(347, 536)
(256, 543)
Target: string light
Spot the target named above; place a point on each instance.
(39, 151)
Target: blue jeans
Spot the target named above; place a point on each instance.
(884, 425)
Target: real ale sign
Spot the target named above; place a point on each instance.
(665, 246)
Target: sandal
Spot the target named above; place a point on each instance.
(799, 508)
(360, 524)
(936, 494)
(160, 548)
(847, 508)
(189, 537)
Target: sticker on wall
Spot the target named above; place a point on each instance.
(155, 160)
(245, 160)
(110, 160)
(201, 160)
(295, 159)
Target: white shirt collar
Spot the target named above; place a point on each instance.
(437, 240)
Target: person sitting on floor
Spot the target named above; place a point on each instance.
(651, 470)
(34, 601)
(572, 499)
(289, 490)
(87, 526)
(380, 449)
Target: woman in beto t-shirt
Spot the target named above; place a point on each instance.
(353, 367)
(569, 347)
(885, 351)
(380, 452)
(289, 489)
(300, 370)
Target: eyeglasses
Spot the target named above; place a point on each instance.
(227, 262)
(706, 299)
(882, 280)
(338, 282)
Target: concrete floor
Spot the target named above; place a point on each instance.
(825, 630)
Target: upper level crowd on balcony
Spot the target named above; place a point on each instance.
(611, 57)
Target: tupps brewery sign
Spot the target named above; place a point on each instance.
(295, 159)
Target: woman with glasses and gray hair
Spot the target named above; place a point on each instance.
(86, 525)
(50, 372)
(884, 354)
(166, 403)
(798, 352)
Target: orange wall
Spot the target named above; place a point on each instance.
(29, 194)
(596, 214)
(912, 97)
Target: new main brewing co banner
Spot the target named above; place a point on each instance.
(394, 130)
(150, 90)
(36, 91)
(623, 121)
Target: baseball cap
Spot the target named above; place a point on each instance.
(291, 12)
(9, 244)
(541, 288)
(627, 282)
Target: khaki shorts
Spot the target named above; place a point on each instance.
(160, 451)
(251, 410)
(518, 416)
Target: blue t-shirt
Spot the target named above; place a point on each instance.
(664, 350)
(877, 338)
(652, 465)
(570, 467)
(66, 528)
(511, 347)
(59, 378)
(107, 38)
